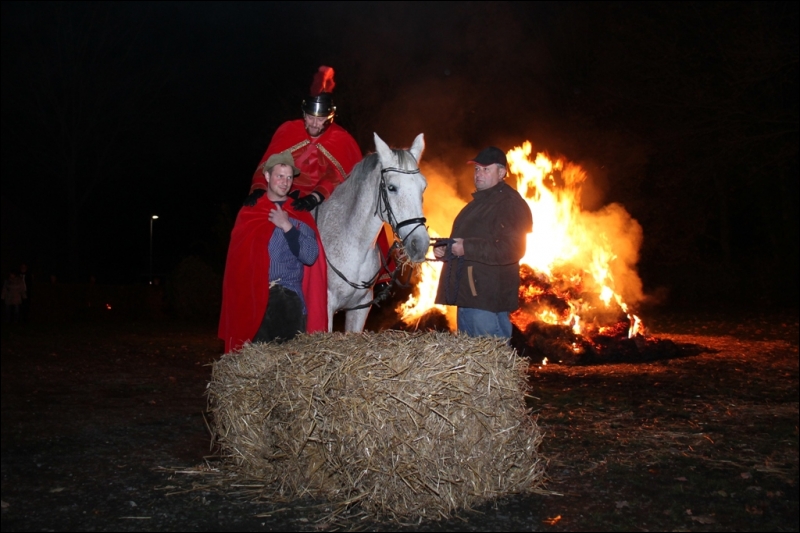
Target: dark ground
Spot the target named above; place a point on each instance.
(100, 418)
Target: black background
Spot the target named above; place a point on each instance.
(686, 114)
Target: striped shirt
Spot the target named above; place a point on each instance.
(288, 252)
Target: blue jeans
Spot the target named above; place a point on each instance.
(480, 323)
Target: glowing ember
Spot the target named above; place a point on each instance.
(579, 267)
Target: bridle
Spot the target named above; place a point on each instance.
(384, 211)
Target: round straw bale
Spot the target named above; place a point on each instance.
(404, 425)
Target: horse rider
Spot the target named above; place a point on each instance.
(481, 271)
(275, 283)
(324, 152)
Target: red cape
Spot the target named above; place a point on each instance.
(245, 286)
(324, 161)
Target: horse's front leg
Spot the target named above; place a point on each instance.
(331, 309)
(355, 319)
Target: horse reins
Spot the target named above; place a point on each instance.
(448, 257)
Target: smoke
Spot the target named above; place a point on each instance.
(441, 202)
(624, 234)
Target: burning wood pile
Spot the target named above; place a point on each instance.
(572, 340)
(545, 343)
(403, 426)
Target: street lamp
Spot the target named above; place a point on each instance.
(152, 218)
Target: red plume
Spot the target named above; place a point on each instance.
(323, 81)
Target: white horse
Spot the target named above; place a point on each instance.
(386, 186)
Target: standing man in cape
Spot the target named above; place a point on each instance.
(275, 282)
(324, 152)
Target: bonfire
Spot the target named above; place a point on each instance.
(579, 281)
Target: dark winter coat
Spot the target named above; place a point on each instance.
(494, 226)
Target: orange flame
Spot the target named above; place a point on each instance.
(416, 306)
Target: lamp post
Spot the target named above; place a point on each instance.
(152, 218)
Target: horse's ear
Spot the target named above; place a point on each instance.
(384, 152)
(418, 147)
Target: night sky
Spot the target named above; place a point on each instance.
(686, 114)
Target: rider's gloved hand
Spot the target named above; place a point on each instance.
(253, 197)
(308, 203)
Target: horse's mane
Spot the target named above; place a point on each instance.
(371, 162)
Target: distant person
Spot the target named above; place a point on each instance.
(27, 280)
(481, 270)
(13, 296)
(324, 152)
(275, 282)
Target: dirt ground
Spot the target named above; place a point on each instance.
(103, 426)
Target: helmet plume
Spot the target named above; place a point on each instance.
(323, 81)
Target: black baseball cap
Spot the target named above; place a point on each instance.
(489, 156)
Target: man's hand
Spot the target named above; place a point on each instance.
(307, 203)
(455, 247)
(280, 218)
(253, 197)
(458, 247)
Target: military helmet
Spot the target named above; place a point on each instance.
(319, 106)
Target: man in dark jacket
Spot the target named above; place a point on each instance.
(481, 270)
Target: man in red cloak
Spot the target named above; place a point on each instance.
(324, 152)
(247, 283)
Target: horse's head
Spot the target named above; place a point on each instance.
(400, 197)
